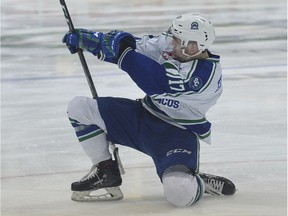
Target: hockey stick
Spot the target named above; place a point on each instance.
(88, 77)
(80, 51)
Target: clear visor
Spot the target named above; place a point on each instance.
(190, 49)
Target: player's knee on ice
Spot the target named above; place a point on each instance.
(181, 188)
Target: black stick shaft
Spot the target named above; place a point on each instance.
(80, 51)
(88, 76)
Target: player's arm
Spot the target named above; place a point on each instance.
(106, 47)
(146, 73)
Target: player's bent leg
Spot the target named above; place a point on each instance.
(181, 187)
(90, 129)
(82, 112)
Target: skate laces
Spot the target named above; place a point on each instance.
(91, 174)
(214, 186)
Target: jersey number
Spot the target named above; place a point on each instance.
(176, 85)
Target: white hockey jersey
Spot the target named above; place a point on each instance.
(193, 87)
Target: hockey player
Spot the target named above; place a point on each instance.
(181, 79)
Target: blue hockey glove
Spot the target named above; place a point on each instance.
(68, 40)
(115, 42)
(83, 39)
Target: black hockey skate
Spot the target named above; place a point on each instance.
(217, 185)
(104, 175)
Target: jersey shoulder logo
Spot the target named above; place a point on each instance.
(195, 83)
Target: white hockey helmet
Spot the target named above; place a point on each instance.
(193, 27)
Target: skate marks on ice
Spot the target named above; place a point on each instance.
(50, 195)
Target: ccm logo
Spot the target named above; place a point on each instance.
(174, 151)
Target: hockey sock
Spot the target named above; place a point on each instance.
(93, 141)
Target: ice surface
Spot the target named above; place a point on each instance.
(40, 155)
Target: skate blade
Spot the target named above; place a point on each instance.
(105, 194)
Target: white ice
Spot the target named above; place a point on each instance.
(40, 155)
